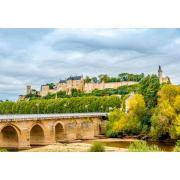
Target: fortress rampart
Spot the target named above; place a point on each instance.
(79, 83)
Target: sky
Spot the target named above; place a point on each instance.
(40, 56)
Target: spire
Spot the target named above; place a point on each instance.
(160, 72)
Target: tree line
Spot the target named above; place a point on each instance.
(61, 105)
(121, 77)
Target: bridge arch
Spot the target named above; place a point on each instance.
(37, 135)
(10, 136)
(59, 131)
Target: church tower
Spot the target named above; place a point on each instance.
(162, 79)
(160, 72)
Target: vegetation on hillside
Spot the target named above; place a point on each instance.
(154, 112)
(121, 77)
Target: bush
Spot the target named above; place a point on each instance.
(177, 147)
(3, 150)
(97, 147)
(141, 146)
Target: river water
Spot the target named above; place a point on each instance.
(164, 146)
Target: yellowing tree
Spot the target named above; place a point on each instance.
(177, 104)
(165, 120)
(168, 92)
(177, 125)
(136, 105)
(132, 121)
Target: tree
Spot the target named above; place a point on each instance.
(103, 78)
(149, 86)
(87, 79)
(165, 119)
(51, 85)
(94, 79)
(121, 123)
(62, 105)
(177, 104)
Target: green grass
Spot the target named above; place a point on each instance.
(142, 146)
(3, 150)
(97, 147)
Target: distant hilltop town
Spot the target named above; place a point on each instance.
(81, 84)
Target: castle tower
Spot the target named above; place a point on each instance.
(28, 89)
(44, 90)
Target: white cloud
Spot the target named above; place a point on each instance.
(39, 57)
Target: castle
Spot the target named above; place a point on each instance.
(78, 83)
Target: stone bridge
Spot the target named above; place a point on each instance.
(23, 131)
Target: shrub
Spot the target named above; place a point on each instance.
(3, 150)
(177, 147)
(97, 147)
(141, 146)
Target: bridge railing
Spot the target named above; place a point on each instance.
(46, 116)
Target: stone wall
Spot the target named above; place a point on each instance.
(89, 87)
(81, 86)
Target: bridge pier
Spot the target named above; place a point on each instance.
(24, 139)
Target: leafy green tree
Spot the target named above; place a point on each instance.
(104, 78)
(51, 85)
(148, 87)
(87, 79)
(94, 79)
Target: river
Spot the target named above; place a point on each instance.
(124, 143)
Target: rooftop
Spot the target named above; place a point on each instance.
(74, 78)
(62, 81)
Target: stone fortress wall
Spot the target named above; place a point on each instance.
(78, 83)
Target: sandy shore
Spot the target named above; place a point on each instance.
(71, 147)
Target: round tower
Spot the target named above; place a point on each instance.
(28, 89)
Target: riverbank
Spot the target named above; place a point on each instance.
(71, 147)
(111, 145)
(83, 146)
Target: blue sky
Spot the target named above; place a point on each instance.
(39, 56)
